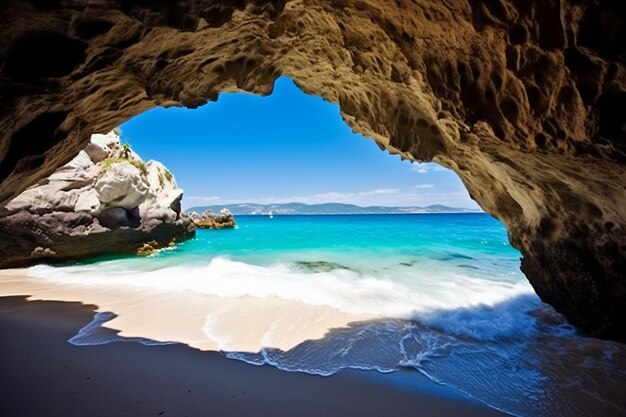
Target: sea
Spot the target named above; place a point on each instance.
(451, 301)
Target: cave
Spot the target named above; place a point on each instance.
(520, 98)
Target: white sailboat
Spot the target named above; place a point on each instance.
(271, 215)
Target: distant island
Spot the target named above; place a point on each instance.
(327, 208)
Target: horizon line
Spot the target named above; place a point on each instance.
(331, 202)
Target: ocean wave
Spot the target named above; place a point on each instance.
(420, 294)
(511, 319)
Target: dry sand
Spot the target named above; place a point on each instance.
(42, 374)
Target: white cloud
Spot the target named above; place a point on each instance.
(422, 186)
(201, 198)
(426, 167)
(419, 168)
(361, 197)
(380, 191)
(459, 199)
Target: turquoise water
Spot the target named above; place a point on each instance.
(365, 243)
(451, 301)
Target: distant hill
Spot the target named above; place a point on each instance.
(328, 208)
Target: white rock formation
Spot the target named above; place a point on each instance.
(101, 201)
(122, 185)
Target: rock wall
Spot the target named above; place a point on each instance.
(105, 200)
(523, 99)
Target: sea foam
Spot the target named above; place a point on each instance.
(460, 303)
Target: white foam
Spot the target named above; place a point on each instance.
(452, 300)
(488, 322)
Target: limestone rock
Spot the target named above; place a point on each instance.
(101, 146)
(148, 248)
(87, 201)
(523, 99)
(166, 201)
(40, 252)
(122, 185)
(97, 203)
(209, 220)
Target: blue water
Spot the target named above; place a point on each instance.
(451, 301)
(475, 243)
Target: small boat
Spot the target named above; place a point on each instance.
(271, 215)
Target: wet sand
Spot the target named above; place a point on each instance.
(43, 375)
(239, 324)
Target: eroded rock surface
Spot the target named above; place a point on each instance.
(100, 202)
(523, 99)
(209, 220)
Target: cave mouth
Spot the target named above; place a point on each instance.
(289, 158)
(289, 153)
(312, 198)
(282, 148)
(438, 292)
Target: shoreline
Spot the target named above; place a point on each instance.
(105, 379)
(203, 322)
(45, 375)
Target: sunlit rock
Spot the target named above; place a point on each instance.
(103, 201)
(209, 220)
(122, 185)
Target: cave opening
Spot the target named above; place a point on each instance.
(342, 255)
(320, 208)
(292, 154)
(283, 148)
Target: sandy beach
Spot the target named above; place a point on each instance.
(45, 375)
(204, 322)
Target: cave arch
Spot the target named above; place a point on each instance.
(501, 92)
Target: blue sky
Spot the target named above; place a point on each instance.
(285, 147)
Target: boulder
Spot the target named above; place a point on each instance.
(122, 185)
(166, 196)
(209, 220)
